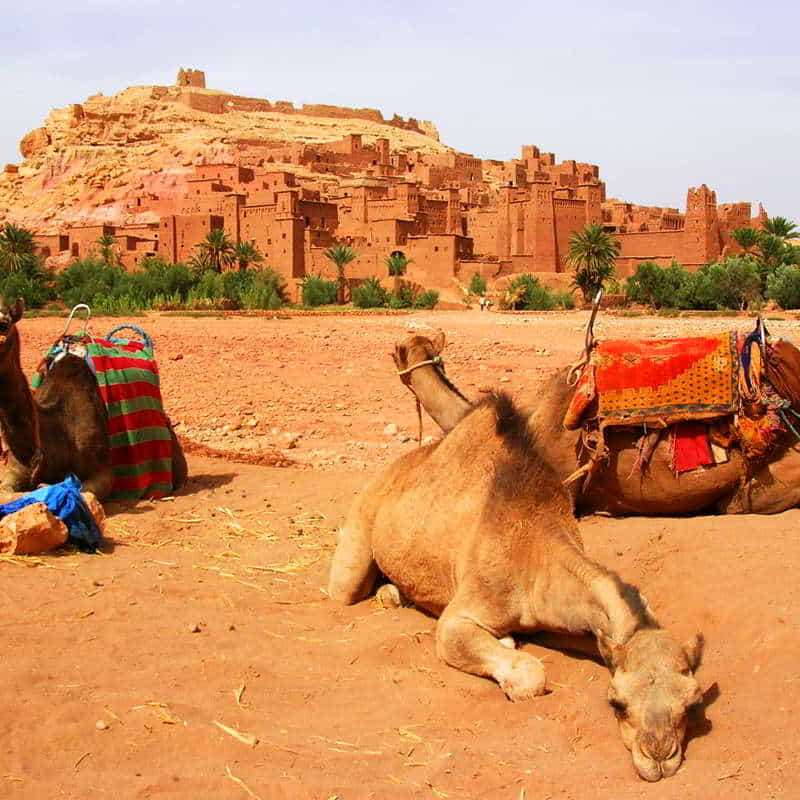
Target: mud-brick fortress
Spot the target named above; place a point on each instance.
(451, 213)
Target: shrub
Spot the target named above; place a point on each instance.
(85, 280)
(532, 295)
(732, 283)
(783, 286)
(402, 297)
(370, 294)
(317, 291)
(477, 285)
(564, 300)
(656, 286)
(33, 287)
(426, 299)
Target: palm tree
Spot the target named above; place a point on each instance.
(106, 244)
(592, 253)
(247, 253)
(17, 248)
(746, 238)
(341, 255)
(218, 249)
(781, 227)
(398, 263)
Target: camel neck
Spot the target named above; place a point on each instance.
(583, 597)
(442, 402)
(17, 409)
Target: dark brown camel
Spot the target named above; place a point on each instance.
(619, 487)
(62, 428)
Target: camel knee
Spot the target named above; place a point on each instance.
(353, 569)
(100, 484)
(389, 596)
(521, 676)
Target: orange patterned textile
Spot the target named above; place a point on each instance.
(658, 382)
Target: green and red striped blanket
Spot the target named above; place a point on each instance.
(139, 437)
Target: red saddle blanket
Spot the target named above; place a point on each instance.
(138, 431)
(657, 382)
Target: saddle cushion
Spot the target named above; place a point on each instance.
(658, 382)
(139, 436)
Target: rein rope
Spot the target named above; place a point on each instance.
(437, 364)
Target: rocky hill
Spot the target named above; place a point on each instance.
(88, 159)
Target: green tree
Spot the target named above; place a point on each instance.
(746, 238)
(246, 254)
(341, 255)
(591, 254)
(17, 249)
(218, 249)
(781, 227)
(397, 263)
(477, 285)
(106, 244)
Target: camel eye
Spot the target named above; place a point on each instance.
(620, 706)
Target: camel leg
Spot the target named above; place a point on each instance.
(353, 570)
(462, 643)
(99, 483)
(180, 470)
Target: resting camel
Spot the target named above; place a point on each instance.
(62, 428)
(619, 487)
(477, 530)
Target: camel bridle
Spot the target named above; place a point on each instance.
(437, 362)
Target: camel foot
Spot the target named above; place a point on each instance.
(388, 596)
(521, 677)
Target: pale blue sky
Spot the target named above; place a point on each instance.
(661, 95)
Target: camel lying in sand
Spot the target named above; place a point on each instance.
(477, 530)
(620, 487)
(63, 428)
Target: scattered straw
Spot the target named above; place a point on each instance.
(245, 738)
(239, 782)
(78, 762)
(237, 694)
(735, 774)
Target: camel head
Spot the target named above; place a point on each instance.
(652, 690)
(415, 349)
(10, 315)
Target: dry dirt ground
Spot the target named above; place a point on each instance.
(121, 669)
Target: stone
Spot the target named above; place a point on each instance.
(390, 430)
(97, 510)
(31, 530)
(34, 142)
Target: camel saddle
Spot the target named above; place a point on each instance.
(656, 383)
(127, 376)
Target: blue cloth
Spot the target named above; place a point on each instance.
(65, 502)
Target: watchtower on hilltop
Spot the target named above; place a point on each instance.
(191, 77)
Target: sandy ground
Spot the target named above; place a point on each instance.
(207, 610)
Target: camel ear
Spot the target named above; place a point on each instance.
(437, 342)
(611, 652)
(693, 649)
(400, 356)
(18, 310)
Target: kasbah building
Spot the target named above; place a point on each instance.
(452, 214)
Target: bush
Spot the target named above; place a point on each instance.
(317, 291)
(426, 299)
(734, 283)
(783, 286)
(33, 286)
(532, 296)
(402, 297)
(656, 286)
(564, 300)
(370, 294)
(477, 285)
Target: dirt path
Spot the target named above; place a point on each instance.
(208, 608)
